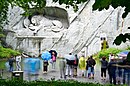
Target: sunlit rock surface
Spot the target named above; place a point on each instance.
(64, 30)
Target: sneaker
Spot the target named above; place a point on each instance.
(89, 77)
(69, 75)
(64, 77)
(92, 77)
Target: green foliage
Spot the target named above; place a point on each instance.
(106, 52)
(7, 52)
(3, 12)
(128, 48)
(29, 4)
(25, 4)
(122, 38)
(104, 4)
(2, 35)
(73, 3)
(48, 83)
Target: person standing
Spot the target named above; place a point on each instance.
(104, 64)
(18, 60)
(112, 71)
(53, 60)
(11, 62)
(87, 66)
(45, 66)
(69, 65)
(110, 56)
(126, 73)
(82, 65)
(75, 65)
(62, 65)
(91, 64)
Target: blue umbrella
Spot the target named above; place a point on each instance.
(123, 53)
(46, 55)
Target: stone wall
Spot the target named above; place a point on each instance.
(83, 32)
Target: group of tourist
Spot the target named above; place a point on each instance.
(11, 61)
(69, 64)
(68, 68)
(118, 69)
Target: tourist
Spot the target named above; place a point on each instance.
(82, 65)
(87, 66)
(119, 70)
(53, 58)
(45, 66)
(76, 61)
(69, 65)
(104, 64)
(18, 60)
(62, 65)
(112, 71)
(91, 64)
(110, 56)
(11, 62)
(126, 74)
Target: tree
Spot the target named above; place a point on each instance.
(104, 4)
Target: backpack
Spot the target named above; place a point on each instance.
(75, 62)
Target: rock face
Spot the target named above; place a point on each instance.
(64, 31)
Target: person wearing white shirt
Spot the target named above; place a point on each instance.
(18, 60)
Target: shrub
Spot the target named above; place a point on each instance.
(48, 83)
(106, 52)
(7, 52)
(128, 48)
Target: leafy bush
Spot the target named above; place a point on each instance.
(106, 52)
(7, 52)
(47, 83)
(128, 48)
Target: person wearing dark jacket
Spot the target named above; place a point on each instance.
(87, 66)
(11, 61)
(91, 64)
(76, 61)
(104, 64)
(45, 66)
(112, 71)
(126, 73)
